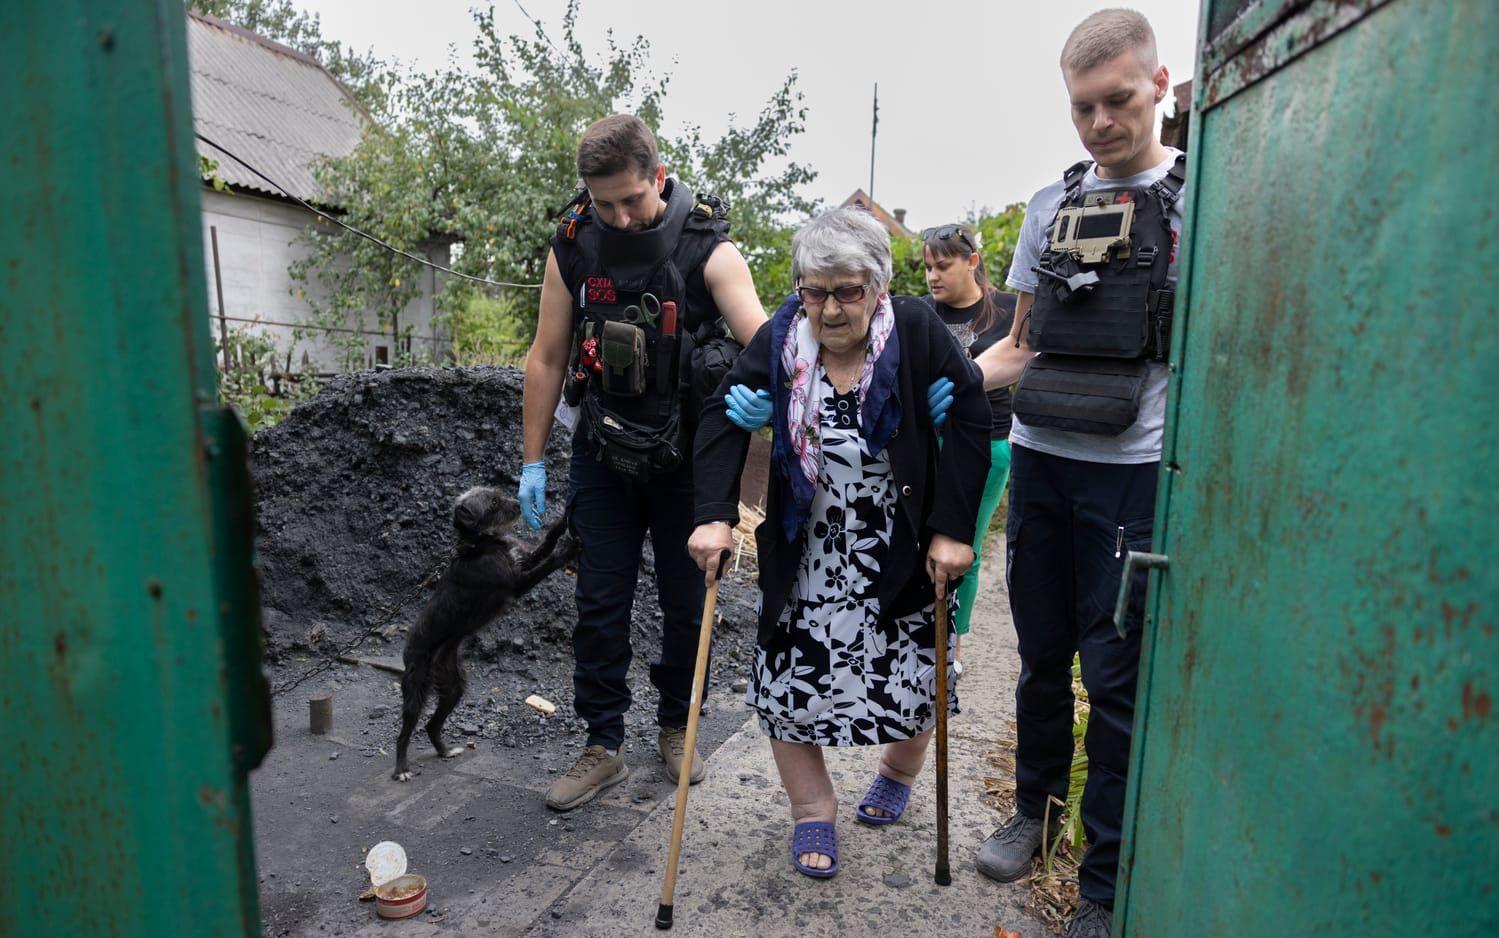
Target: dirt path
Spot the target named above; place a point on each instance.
(500, 863)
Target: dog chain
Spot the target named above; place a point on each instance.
(380, 623)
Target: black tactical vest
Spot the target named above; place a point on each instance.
(1103, 305)
(640, 309)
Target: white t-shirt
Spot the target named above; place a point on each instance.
(1141, 441)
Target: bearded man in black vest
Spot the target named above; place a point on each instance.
(640, 284)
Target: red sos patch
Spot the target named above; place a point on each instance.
(600, 290)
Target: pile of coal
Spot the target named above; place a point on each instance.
(354, 491)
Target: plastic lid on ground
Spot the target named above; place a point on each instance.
(385, 861)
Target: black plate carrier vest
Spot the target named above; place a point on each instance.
(1096, 321)
(630, 370)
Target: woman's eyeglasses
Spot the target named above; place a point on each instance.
(943, 232)
(816, 296)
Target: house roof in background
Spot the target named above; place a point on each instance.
(274, 106)
(861, 198)
(1183, 95)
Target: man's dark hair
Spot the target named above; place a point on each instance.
(617, 143)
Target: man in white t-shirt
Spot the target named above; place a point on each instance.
(1079, 501)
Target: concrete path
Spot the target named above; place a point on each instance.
(499, 863)
(736, 878)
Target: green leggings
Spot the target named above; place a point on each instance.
(994, 489)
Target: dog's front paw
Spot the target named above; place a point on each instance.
(452, 751)
(401, 775)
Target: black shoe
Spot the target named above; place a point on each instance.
(1006, 854)
(1091, 920)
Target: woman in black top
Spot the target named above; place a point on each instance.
(978, 315)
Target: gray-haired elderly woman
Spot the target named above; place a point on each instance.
(865, 514)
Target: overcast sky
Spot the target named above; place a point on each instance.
(973, 112)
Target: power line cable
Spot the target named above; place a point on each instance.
(539, 28)
(368, 237)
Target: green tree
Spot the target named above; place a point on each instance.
(485, 157)
(489, 330)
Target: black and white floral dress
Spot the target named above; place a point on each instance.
(845, 679)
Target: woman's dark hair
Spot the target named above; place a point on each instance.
(960, 241)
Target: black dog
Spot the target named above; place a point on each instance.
(490, 569)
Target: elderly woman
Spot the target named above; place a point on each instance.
(866, 516)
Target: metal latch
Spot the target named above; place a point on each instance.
(1134, 560)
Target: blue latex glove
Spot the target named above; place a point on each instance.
(533, 493)
(939, 399)
(748, 410)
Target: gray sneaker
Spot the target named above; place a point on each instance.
(1006, 854)
(1091, 920)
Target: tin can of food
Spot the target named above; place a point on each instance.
(402, 897)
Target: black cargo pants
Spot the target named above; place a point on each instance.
(610, 518)
(1069, 527)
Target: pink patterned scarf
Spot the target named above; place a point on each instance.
(801, 359)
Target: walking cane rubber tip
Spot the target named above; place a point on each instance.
(943, 878)
(663, 916)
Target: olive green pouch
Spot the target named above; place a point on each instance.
(622, 353)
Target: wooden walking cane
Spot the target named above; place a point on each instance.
(943, 875)
(684, 776)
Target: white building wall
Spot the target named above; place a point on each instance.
(258, 240)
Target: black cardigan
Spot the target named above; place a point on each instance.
(939, 488)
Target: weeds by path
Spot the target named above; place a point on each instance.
(1053, 880)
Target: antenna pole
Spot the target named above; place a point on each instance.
(873, 130)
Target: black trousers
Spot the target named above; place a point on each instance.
(1069, 527)
(610, 518)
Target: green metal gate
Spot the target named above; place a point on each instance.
(132, 704)
(1316, 748)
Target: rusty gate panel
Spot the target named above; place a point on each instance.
(132, 703)
(1316, 748)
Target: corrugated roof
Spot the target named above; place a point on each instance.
(275, 107)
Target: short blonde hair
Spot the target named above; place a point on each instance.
(1106, 35)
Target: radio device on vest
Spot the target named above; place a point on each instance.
(1103, 305)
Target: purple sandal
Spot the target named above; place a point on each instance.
(814, 837)
(886, 794)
